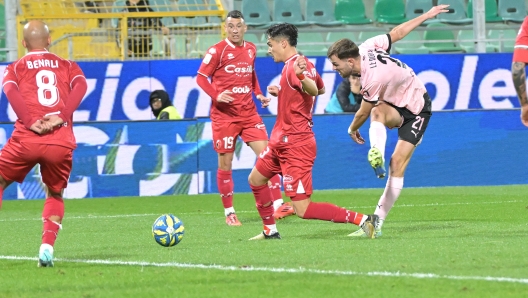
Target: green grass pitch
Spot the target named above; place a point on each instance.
(437, 242)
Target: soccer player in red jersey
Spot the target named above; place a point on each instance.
(519, 61)
(230, 64)
(44, 91)
(292, 148)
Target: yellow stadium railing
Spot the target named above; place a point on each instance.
(172, 30)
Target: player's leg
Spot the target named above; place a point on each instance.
(267, 166)
(297, 173)
(255, 135)
(382, 115)
(55, 166)
(15, 163)
(224, 136)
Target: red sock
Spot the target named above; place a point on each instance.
(275, 188)
(330, 212)
(50, 229)
(224, 180)
(264, 204)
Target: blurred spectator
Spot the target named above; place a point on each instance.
(162, 107)
(347, 97)
(140, 29)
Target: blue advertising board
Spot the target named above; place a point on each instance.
(148, 158)
(120, 90)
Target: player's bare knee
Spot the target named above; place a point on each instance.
(376, 114)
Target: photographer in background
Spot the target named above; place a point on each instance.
(162, 107)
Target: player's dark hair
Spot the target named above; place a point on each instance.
(284, 30)
(235, 14)
(343, 49)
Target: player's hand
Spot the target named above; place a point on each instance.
(300, 65)
(524, 115)
(273, 90)
(436, 10)
(36, 127)
(264, 100)
(356, 136)
(52, 121)
(224, 97)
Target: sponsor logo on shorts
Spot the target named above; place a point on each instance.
(287, 179)
(260, 126)
(217, 144)
(242, 90)
(289, 187)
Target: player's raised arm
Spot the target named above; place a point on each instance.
(402, 30)
(308, 84)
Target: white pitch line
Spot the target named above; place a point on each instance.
(242, 211)
(281, 270)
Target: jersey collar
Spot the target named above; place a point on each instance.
(232, 44)
(294, 56)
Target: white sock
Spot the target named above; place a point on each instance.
(389, 196)
(44, 246)
(277, 204)
(229, 210)
(271, 228)
(378, 136)
(380, 224)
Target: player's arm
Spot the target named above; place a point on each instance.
(519, 81)
(308, 85)
(18, 104)
(206, 86)
(402, 30)
(361, 116)
(78, 90)
(257, 91)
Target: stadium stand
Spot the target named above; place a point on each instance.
(440, 40)
(415, 8)
(503, 40)
(332, 37)
(411, 44)
(466, 41)
(456, 15)
(311, 44)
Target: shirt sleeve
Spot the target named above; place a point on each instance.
(310, 72)
(209, 62)
(371, 91)
(9, 76)
(378, 42)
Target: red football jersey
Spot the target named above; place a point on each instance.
(44, 80)
(520, 52)
(231, 68)
(293, 126)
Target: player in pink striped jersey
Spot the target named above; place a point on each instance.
(231, 65)
(519, 61)
(393, 97)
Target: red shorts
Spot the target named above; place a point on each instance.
(225, 133)
(294, 164)
(18, 158)
(520, 55)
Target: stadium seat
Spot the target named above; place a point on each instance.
(440, 40)
(158, 45)
(337, 35)
(117, 7)
(311, 44)
(321, 13)
(202, 43)
(416, 47)
(195, 22)
(256, 13)
(178, 46)
(491, 10)
(2, 17)
(507, 39)
(288, 11)
(466, 41)
(351, 12)
(389, 11)
(512, 10)
(415, 8)
(456, 15)
(262, 51)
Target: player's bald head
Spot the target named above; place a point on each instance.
(36, 35)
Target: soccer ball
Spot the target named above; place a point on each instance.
(168, 230)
